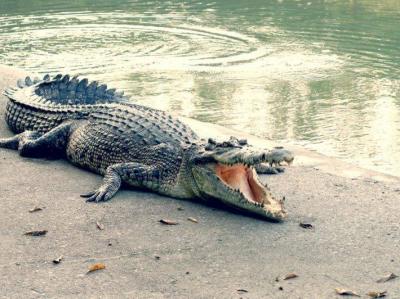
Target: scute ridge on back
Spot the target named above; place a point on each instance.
(63, 90)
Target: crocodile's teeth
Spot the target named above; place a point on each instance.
(28, 81)
(21, 83)
(65, 79)
(119, 93)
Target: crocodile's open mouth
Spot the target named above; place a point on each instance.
(238, 185)
(243, 182)
(243, 179)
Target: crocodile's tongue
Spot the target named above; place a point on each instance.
(240, 177)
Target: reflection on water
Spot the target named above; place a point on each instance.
(324, 74)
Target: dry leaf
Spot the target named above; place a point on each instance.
(193, 219)
(96, 267)
(345, 292)
(99, 226)
(35, 209)
(36, 233)
(387, 277)
(290, 276)
(58, 260)
(306, 225)
(168, 222)
(242, 291)
(377, 294)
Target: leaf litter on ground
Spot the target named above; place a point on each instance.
(387, 278)
(306, 225)
(36, 233)
(290, 275)
(168, 222)
(375, 294)
(345, 292)
(36, 209)
(96, 267)
(99, 225)
(58, 260)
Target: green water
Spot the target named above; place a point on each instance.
(323, 74)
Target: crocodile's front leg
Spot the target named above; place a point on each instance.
(13, 142)
(133, 174)
(36, 145)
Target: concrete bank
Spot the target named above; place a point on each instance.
(354, 242)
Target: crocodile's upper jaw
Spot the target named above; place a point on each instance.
(238, 186)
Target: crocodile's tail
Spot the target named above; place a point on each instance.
(62, 90)
(41, 104)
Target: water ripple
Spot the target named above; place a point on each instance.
(314, 72)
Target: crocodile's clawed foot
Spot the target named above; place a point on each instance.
(101, 194)
(110, 186)
(10, 143)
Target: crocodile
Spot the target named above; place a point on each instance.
(100, 129)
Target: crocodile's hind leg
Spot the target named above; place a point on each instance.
(36, 145)
(135, 174)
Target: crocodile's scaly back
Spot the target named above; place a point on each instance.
(41, 105)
